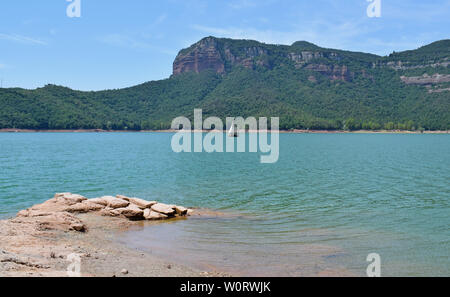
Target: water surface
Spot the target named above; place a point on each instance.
(330, 200)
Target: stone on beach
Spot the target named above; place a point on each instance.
(63, 221)
(99, 201)
(114, 202)
(164, 209)
(131, 212)
(69, 198)
(141, 203)
(153, 215)
(59, 213)
(180, 210)
(85, 206)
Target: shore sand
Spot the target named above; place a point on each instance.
(40, 245)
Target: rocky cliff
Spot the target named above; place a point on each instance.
(221, 55)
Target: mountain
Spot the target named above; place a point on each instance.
(307, 86)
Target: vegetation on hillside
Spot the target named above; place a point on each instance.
(375, 98)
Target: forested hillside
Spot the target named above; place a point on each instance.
(307, 86)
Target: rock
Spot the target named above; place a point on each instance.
(131, 212)
(43, 221)
(78, 227)
(164, 209)
(190, 212)
(153, 215)
(139, 202)
(99, 201)
(85, 206)
(180, 210)
(124, 271)
(114, 202)
(69, 198)
(108, 212)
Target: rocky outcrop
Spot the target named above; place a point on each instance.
(220, 55)
(426, 79)
(333, 72)
(59, 213)
(205, 55)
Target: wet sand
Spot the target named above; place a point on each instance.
(26, 249)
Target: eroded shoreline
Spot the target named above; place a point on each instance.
(38, 241)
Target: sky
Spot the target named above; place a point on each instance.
(119, 43)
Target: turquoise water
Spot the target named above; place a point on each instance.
(330, 200)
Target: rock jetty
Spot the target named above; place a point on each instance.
(60, 212)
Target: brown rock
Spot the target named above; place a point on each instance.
(63, 221)
(137, 201)
(164, 209)
(85, 206)
(180, 210)
(153, 216)
(69, 198)
(99, 201)
(131, 212)
(114, 202)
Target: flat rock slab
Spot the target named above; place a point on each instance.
(114, 202)
(164, 209)
(153, 215)
(141, 203)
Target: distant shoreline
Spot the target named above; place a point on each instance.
(295, 131)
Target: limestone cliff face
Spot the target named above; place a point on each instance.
(221, 55)
(205, 55)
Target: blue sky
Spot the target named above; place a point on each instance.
(118, 43)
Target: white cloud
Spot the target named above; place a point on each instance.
(22, 39)
(129, 41)
(321, 33)
(354, 36)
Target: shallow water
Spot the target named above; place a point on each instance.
(330, 200)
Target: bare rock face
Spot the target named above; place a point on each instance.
(333, 72)
(165, 209)
(204, 56)
(426, 79)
